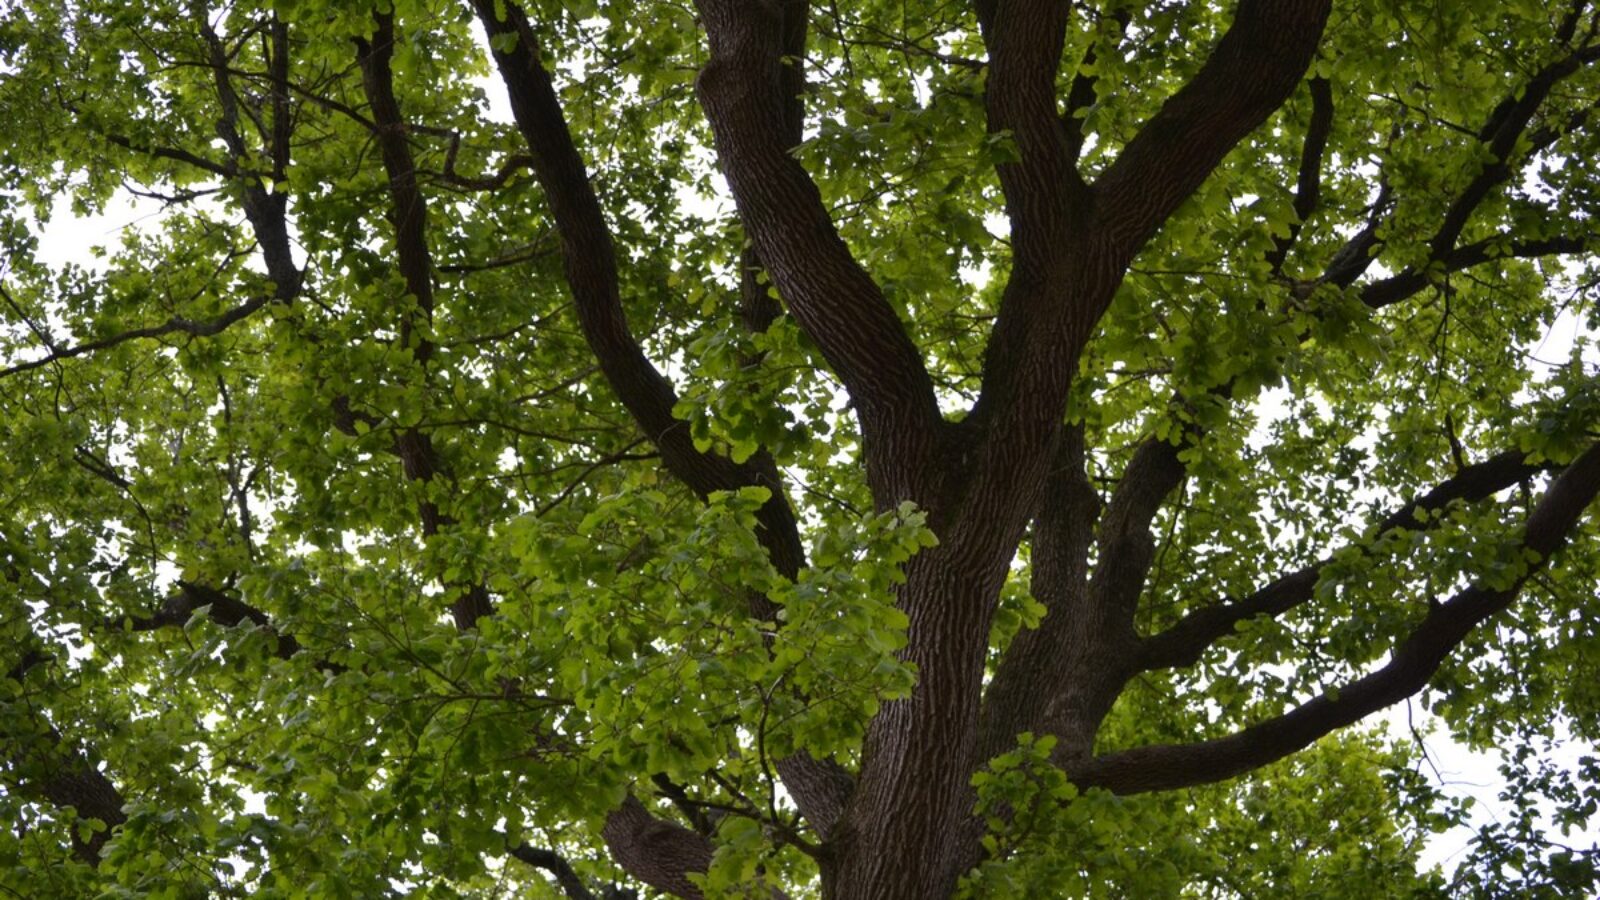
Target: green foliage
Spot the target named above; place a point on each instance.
(347, 739)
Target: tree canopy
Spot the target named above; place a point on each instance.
(861, 450)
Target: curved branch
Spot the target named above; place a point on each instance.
(1504, 132)
(655, 851)
(590, 264)
(820, 787)
(174, 325)
(1412, 664)
(1308, 186)
(1407, 284)
(1253, 69)
(832, 297)
(1183, 644)
(557, 866)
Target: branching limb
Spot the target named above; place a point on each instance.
(265, 210)
(409, 213)
(1308, 185)
(221, 607)
(1183, 644)
(591, 270)
(743, 91)
(1035, 665)
(174, 325)
(1507, 137)
(1407, 284)
(820, 787)
(1251, 72)
(1412, 663)
(566, 878)
(448, 174)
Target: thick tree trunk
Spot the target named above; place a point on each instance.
(901, 833)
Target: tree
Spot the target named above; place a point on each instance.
(1083, 417)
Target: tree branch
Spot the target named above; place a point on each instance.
(1504, 132)
(1308, 185)
(1412, 663)
(266, 211)
(557, 866)
(820, 787)
(1407, 284)
(1084, 91)
(409, 213)
(591, 272)
(1253, 69)
(1035, 667)
(837, 303)
(174, 325)
(1183, 644)
(1500, 134)
(43, 768)
(655, 851)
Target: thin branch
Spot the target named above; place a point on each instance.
(1253, 69)
(174, 325)
(557, 866)
(1308, 186)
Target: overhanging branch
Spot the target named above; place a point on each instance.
(1183, 644)
(1251, 72)
(1412, 663)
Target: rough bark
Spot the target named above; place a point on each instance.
(1412, 663)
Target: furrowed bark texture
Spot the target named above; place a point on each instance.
(907, 832)
(903, 826)
(1412, 664)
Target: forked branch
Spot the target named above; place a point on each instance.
(1412, 663)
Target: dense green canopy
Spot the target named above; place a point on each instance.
(863, 450)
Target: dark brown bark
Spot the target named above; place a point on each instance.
(1413, 662)
(743, 89)
(1509, 136)
(906, 822)
(1183, 643)
(819, 787)
(40, 765)
(1248, 76)
(1308, 184)
(655, 851)
(409, 213)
